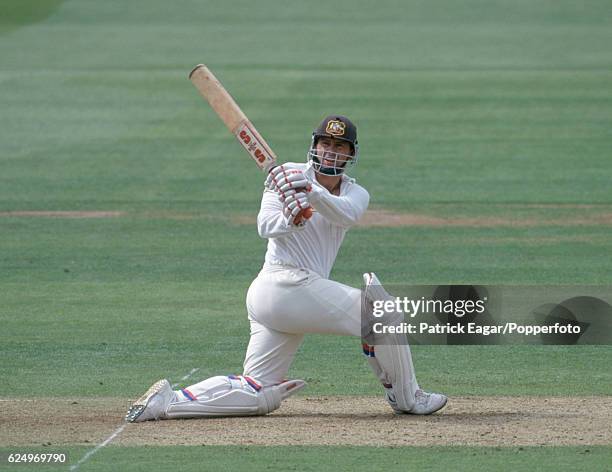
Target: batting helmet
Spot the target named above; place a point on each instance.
(337, 127)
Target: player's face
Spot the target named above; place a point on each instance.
(333, 152)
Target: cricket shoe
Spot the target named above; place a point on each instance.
(390, 397)
(424, 403)
(428, 403)
(153, 404)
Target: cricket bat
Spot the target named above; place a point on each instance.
(237, 122)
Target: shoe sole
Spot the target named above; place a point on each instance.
(141, 404)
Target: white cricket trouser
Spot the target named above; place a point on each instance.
(284, 303)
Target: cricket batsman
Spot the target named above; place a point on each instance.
(293, 296)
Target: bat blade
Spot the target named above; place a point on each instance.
(237, 122)
(234, 118)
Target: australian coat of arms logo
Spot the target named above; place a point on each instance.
(335, 128)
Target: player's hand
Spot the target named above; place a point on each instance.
(293, 205)
(289, 193)
(283, 180)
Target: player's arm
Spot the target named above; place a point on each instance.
(345, 210)
(271, 220)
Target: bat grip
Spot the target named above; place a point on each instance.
(305, 214)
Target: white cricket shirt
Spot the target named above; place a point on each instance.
(315, 245)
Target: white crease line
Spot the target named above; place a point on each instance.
(118, 431)
(99, 446)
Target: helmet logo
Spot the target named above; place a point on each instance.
(335, 128)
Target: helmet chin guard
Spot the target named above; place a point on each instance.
(339, 162)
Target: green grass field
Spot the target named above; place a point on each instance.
(472, 109)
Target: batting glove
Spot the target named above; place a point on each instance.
(293, 205)
(284, 180)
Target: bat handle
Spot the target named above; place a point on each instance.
(305, 214)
